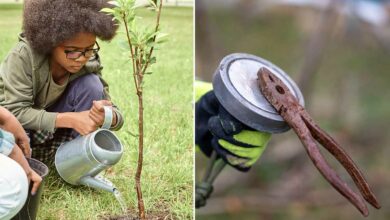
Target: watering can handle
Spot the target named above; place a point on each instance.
(107, 117)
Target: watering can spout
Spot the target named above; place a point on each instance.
(98, 183)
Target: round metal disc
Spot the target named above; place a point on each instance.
(236, 87)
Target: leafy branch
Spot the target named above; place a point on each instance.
(141, 42)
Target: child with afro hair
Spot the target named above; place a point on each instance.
(51, 80)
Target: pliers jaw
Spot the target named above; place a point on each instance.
(270, 89)
(280, 97)
(277, 93)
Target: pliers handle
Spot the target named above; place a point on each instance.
(280, 97)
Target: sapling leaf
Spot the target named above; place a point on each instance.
(150, 35)
(133, 35)
(130, 19)
(150, 44)
(152, 60)
(114, 3)
(139, 5)
(161, 41)
(160, 36)
(108, 10)
(151, 2)
(131, 133)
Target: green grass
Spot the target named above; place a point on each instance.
(168, 164)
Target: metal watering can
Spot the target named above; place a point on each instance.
(80, 161)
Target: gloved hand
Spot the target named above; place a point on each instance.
(215, 129)
(205, 108)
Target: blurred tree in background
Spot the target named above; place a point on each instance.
(348, 93)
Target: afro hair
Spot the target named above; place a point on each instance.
(47, 23)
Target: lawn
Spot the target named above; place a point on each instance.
(168, 157)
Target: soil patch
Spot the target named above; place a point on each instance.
(151, 216)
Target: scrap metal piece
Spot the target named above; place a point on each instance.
(289, 108)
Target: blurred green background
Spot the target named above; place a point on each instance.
(347, 93)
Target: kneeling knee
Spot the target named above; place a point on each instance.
(89, 85)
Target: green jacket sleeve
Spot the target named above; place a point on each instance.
(17, 91)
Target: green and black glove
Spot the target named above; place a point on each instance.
(215, 129)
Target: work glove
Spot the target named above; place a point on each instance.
(205, 108)
(215, 129)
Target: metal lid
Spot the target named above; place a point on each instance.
(235, 85)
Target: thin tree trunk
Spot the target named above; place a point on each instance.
(141, 206)
(138, 74)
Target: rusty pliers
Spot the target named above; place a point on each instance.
(280, 97)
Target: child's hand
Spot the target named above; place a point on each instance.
(83, 124)
(35, 179)
(97, 111)
(17, 155)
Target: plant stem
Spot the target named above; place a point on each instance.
(137, 83)
(139, 70)
(131, 50)
(154, 38)
(141, 206)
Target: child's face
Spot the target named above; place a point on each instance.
(66, 54)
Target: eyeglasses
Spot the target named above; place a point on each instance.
(88, 53)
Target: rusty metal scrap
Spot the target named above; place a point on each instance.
(280, 97)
